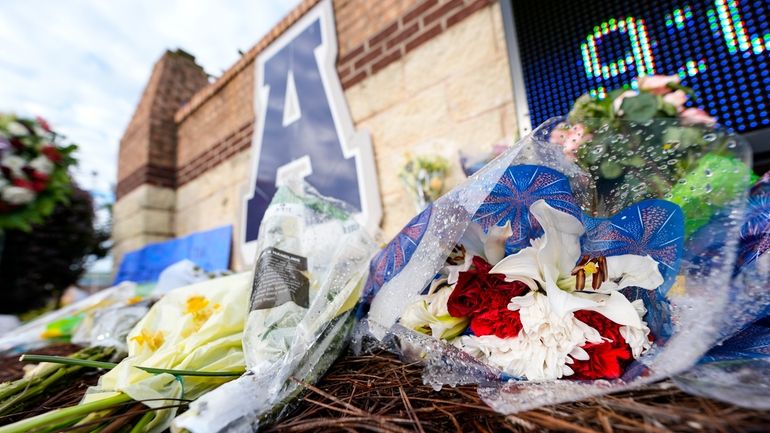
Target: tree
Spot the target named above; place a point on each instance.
(38, 266)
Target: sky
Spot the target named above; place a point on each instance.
(82, 64)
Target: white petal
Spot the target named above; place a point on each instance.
(522, 266)
(560, 249)
(494, 247)
(579, 354)
(563, 303)
(632, 270)
(615, 307)
(473, 240)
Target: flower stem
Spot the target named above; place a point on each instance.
(68, 361)
(62, 415)
(143, 421)
(191, 372)
(110, 365)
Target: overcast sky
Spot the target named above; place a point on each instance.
(83, 64)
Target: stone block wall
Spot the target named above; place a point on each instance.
(417, 74)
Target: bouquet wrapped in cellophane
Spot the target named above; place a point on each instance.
(311, 262)
(550, 276)
(284, 323)
(737, 369)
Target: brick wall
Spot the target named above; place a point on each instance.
(416, 73)
(148, 147)
(397, 34)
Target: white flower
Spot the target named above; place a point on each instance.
(17, 195)
(637, 338)
(42, 164)
(489, 245)
(548, 263)
(430, 315)
(14, 163)
(619, 100)
(16, 128)
(545, 346)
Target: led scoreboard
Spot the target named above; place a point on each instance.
(721, 48)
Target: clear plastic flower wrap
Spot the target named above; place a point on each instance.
(312, 258)
(560, 272)
(737, 370)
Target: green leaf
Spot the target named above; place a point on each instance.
(640, 108)
(634, 161)
(669, 109)
(610, 169)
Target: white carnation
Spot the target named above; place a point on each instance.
(42, 164)
(17, 195)
(14, 163)
(16, 128)
(545, 346)
(637, 337)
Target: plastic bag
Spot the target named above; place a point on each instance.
(575, 277)
(197, 327)
(311, 260)
(737, 370)
(59, 325)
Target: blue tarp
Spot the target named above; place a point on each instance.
(209, 250)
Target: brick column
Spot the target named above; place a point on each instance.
(144, 209)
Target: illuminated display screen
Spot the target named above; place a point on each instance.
(720, 48)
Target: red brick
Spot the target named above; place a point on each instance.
(352, 81)
(441, 12)
(418, 11)
(402, 35)
(387, 31)
(423, 37)
(351, 55)
(385, 61)
(368, 57)
(466, 12)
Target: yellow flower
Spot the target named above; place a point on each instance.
(201, 310)
(51, 333)
(195, 304)
(152, 340)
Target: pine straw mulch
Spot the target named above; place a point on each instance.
(67, 395)
(379, 393)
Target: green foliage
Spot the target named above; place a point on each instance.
(37, 265)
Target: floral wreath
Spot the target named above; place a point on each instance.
(34, 171)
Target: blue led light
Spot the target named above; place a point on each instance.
(721, 48)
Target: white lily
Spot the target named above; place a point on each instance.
(548, 263)
(489, 245)
(430, 315)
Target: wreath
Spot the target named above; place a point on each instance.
(34, 171)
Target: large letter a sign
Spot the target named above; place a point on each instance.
(304, 129)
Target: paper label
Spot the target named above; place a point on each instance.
(279, 278)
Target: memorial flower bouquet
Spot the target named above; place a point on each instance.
(541, 285)
(647, 142)
(34, 174)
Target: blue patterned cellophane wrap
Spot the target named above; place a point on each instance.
(685, 314)
(737, 369)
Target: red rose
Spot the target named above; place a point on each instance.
(34, 185)
(477, 291)
(43, 124)
(466, 297)
(502, 323)
(608, 359)
(51, 152)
